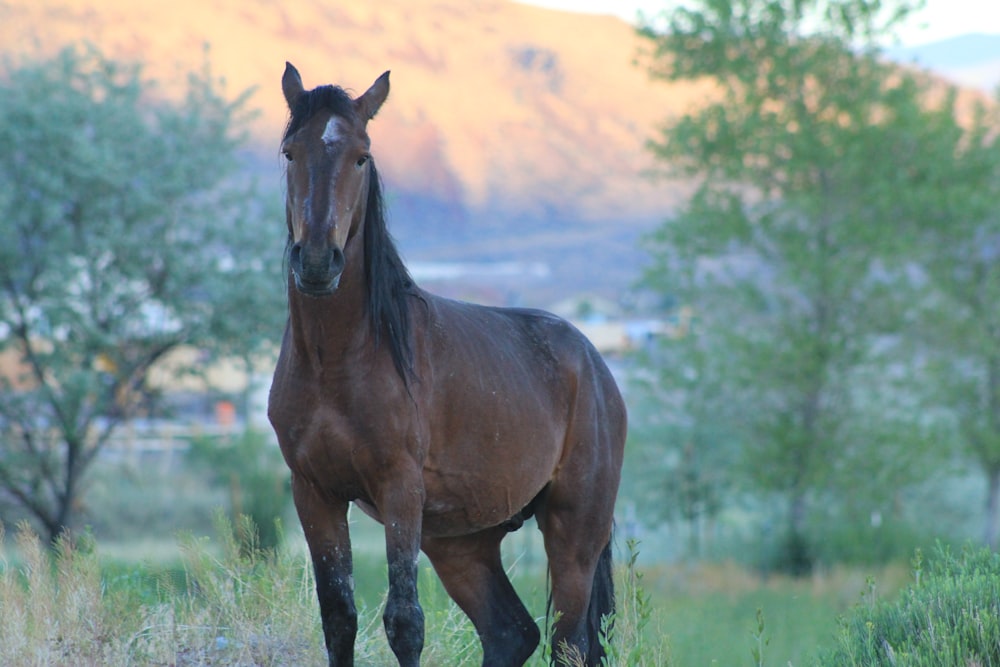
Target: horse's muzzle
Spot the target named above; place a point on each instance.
(316, 271)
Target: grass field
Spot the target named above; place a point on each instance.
(710, 617)
(200, 602)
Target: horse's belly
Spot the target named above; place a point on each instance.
(449, 521)
(465, 502)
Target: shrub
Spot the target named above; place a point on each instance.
(857, 542)
(251, 468)
(949, 617)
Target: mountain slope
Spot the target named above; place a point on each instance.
(511, 132)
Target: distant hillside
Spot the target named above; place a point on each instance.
(513, 136)
(969, 60)
(511, 133)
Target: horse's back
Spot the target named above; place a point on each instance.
(542, 352)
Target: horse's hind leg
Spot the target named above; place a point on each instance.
(582, 592)
(472, 572)
(576, 514)
(576, 519)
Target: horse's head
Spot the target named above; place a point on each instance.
(326, 147)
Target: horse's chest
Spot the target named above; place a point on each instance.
(338, 444)
(319, 444)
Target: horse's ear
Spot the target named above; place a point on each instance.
(291, 84)
(369, 103)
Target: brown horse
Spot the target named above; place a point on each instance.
(449, 423)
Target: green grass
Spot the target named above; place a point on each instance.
(718, 629)
(720, 614)
(215, 604)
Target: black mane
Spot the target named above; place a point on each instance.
(388, 281)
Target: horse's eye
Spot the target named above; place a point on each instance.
(361, 160)
(288, 156)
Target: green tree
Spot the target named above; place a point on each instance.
(125, 232)
(681, 440)
(956, 314)
(786, 249)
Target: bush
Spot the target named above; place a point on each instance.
(949, 617)
(858, 542)
(829, 542)
(252, 470)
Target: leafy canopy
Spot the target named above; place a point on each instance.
(126, 230)
(800, 158)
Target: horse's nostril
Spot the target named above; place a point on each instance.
(295, 256)
(337, 260)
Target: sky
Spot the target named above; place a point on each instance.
(940, 19)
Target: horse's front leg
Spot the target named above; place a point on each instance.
(401, 508)
(324, 523)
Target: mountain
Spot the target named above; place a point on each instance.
(969, 60)
(512, 133)
(512, 143)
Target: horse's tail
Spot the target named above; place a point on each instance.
(600, 613)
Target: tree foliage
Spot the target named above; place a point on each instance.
(685, 409)
(125, 232)
(796, 249)
(955, 317)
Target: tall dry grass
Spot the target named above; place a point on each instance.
(52, 610)
(237, 607)
(231, 606)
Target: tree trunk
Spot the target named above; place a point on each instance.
(992, 507)
(797, 552)
(797, 512)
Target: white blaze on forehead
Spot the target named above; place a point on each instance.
(332, 133)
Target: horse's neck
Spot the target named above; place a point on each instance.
(326, 329)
